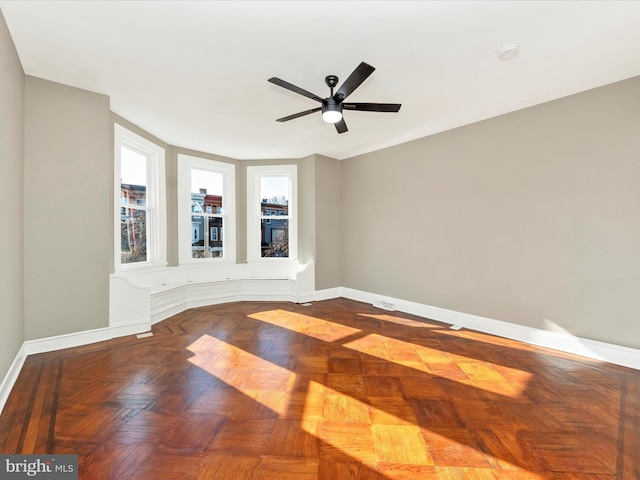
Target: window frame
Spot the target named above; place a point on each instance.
(156, 199)
(255, 216)
(187, 163)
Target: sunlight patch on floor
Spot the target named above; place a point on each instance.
(347, 428)
(259, 379)
(313, 327)
(471, 372)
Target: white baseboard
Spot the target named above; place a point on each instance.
(11, 376)
(132, 328)
(87, 337)
(328, 294)
(606, 352)
(69, 340)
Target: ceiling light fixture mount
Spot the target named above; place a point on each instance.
(509, 51)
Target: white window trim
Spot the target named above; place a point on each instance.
(156, 199)
(254, 215)
(185, 164)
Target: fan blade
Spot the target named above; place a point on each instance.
(359, 75)
(341, 127)
(293, 88)
(298, 115)
(373, 107)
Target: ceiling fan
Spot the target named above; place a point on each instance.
(333, 105)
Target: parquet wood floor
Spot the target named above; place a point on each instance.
(338, 390)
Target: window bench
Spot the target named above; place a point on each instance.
(139, 299)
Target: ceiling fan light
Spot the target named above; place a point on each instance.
(331, 111)
(332, 116)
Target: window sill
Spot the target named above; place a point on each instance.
(139, 268)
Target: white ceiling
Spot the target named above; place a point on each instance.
(195, 73)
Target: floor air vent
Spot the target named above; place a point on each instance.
(385, 305)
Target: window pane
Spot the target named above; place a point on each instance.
(133, 235)
(206, 191)
(274, 195)
(275, 238)
(197, 237)
(215, 237)
(133, 177)
(206, 237)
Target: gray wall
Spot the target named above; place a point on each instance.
(307, 209)
(11, 191)
(67, 209)
(328, 213)
(531, 218)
